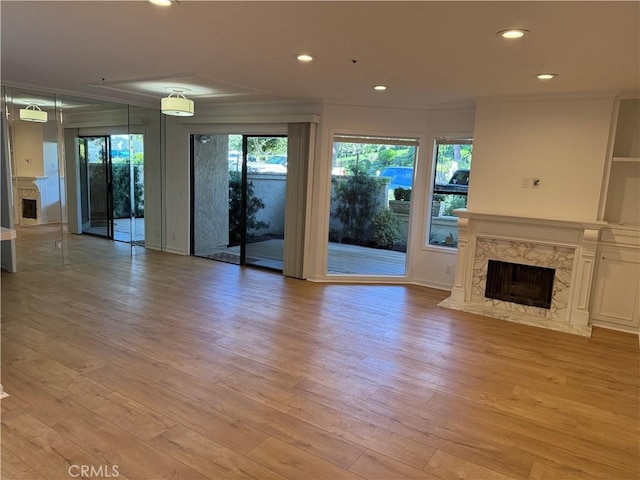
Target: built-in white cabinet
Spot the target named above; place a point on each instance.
(615, 300)
(616, 294)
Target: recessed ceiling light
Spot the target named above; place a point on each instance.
(162, 3)
(546, 76)
(513, 33)
(304, 57)
(380, 87)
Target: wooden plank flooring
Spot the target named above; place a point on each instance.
(173, 367)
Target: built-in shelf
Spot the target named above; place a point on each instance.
(627, 159)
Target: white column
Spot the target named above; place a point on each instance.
(579, 311)
(459, 291)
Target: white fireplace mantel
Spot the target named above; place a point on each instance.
(542, 221)
(530, 241)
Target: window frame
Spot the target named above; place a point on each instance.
(462, 139)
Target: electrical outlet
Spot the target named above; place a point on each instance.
(58, 245)
(526, 182)
(535, 183)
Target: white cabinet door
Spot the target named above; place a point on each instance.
(617, 287)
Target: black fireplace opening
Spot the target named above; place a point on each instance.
(523, 284)
(29, 208)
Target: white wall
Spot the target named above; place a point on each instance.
(28, 149)
(561, 141)
(51, 209)
(176, 188)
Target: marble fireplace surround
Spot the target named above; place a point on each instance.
(568, 246)
(32, 188)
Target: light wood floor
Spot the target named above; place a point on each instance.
(171, 367)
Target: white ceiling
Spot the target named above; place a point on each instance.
(239, 51)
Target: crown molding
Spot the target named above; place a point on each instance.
(549, 97)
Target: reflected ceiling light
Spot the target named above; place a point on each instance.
(177, 105)
(513, 33)
(380, 88)
(305, 57)
(33, 114)
(546, 76)
(162, 3)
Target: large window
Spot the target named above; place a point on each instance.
(371, 186)
(450, 186)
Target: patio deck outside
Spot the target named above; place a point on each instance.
(343, 259)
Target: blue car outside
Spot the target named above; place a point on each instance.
(398, 177)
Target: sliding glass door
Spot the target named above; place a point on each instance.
(237, 198)
(96, 185)
(111, 182)
(264, 189)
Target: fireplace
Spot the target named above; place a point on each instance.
(517, 283)
(29, 208)
(558, 255)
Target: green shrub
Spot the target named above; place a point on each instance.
(121, 188)
(387, 229)
(402, 193)
(357, 200)
(454, 202)
(254, 204)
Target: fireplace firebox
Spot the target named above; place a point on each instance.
(29, 208)
(523, 284)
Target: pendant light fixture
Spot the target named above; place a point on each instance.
(177, 105)
(33, 113)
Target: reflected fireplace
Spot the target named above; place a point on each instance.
(29, 208)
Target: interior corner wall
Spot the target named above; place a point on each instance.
(561, 141)
(434, 266)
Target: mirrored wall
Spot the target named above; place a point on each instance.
(85, 178)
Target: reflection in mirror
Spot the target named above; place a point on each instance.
(8, 232)
(86, 178)
(97, 165)
(35, 177)
(146, 172)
